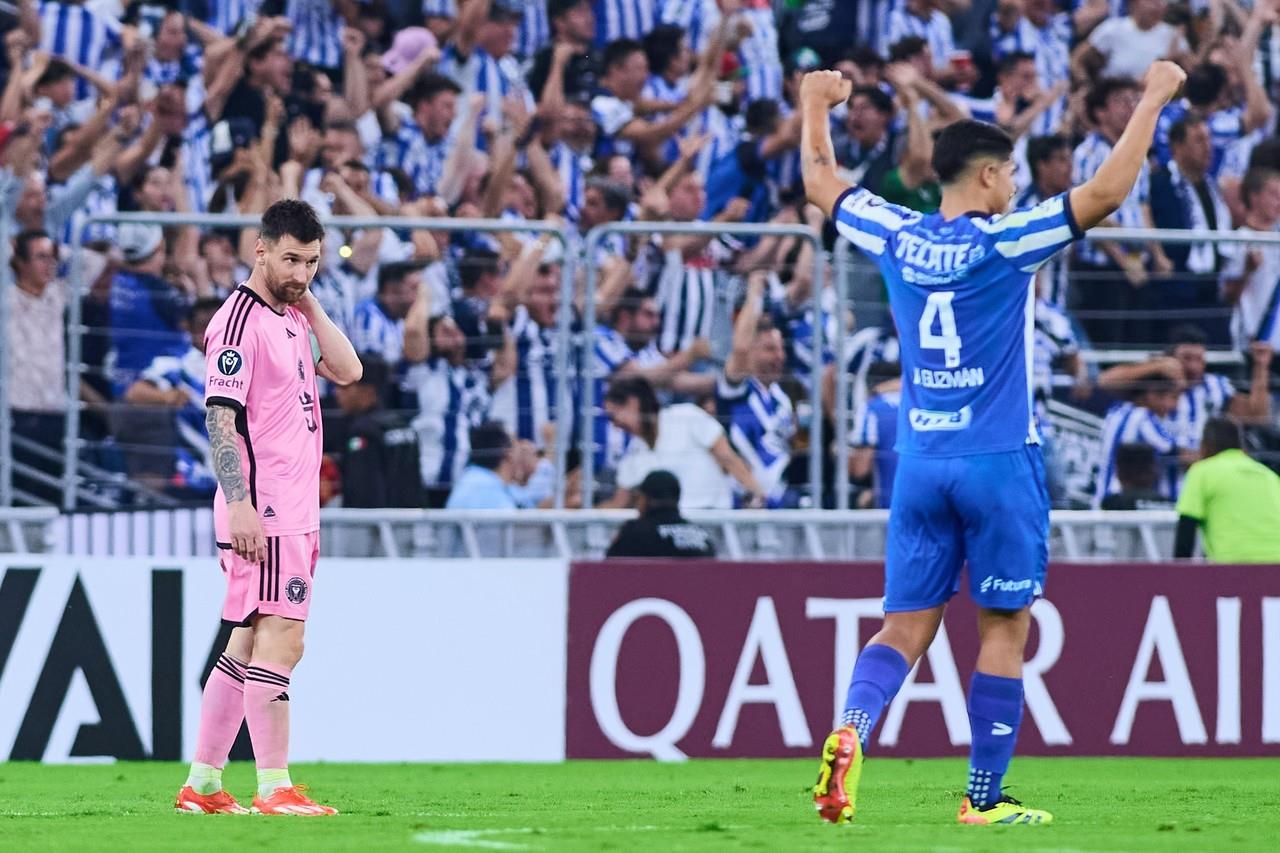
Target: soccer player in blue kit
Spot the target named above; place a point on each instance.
(970, 486)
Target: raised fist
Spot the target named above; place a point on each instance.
(827, 87)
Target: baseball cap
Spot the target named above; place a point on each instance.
(408, 45)
(661, 488)
(138, 241)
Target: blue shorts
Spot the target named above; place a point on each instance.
(990, 510)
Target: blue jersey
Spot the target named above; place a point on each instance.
(879, 429)
(962, 296)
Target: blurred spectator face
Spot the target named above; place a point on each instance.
(154, 193)
(543, 301)
(199, 323)
(435, 114)
(218, 254)
(1117, 111)
(1162, 403)
(1147, 13)
(578, 24)
(398, 296)
(341, 144)
(626, 79)
(1054, 172)
(620, 171)
(1020, 81)
(626, 415)
(638, 324)
(594, 212)
(576, 126)
(768, 356)
(32, 203)
(1192, 359)
(288, 267)
(275, 70)
(682, 63)
(1264, 204)
(687, 198)
(357, 179)
(448, 341)
(521, 198)
(1194, 153)
(1039, 11)
(41, 264)
(62, 93)
(867, 124)
(171, 38)
(1223, 56)
(496, 37)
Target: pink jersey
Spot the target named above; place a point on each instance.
(259, 363)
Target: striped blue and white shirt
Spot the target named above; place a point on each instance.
(612, 353)
(1054, 275)
(452, 399)
(935, 30)
(760, 55)
(534, 30)
(1055, 340)
(373, 330)
(1085, 161)
(658, 89)
(879, 429)
(225, 15)
(872, 26)
(686, 295)
(1051, 47)
(698, 19)
(526, 402)
(196, 156)
(862, 349)
(1209, 398)
(409, 150)
(494, 77)
(1130, 424)
(83, 36)
(962, 293)
(1226, 127)
(573, 169)
(317, 32)
(616, 19)
(761, 424)
(167, 372)
(440, 8)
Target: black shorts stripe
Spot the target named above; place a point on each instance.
(275, 595)
(262, 579)
(238, 309)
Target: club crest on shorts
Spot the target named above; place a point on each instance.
(296, 590)
(230, 362)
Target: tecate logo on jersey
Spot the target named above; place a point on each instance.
(923, 420)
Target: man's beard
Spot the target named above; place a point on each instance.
(289, 294)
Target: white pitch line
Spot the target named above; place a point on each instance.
(470, 838)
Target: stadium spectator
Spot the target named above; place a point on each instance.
(1233, 500)
(1184, 194)
(1253, 272)
(393, 323)
(1210, 99)
(372, 447)
(867, 149)
(573, 25)
(177, 384)
(1138, 472)
(479, 58)
(1126, 46)
(750, 401)
(1143, 419)
(1049, 162)
(492, 467)
(874, 457)
(682, 438)
(1042, 29)
(146, 311)
(923, 19)
(660, 530)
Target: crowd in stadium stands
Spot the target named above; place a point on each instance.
(586, 112)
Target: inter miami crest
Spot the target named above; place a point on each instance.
(230, 362)
(296, 590)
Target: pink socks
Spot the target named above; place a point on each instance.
(221, 711)
(266, 709)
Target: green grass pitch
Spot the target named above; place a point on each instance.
(1100, 805)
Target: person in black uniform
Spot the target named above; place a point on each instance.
(376, 451)
(660, 531)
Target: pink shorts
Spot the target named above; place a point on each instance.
(280, 585)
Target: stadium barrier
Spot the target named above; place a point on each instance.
(819, 535)
(105, 658)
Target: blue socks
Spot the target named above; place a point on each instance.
(995, 711)
(877, 676)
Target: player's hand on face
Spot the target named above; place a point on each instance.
(1163, 80)
(826, 87)
(247, 541)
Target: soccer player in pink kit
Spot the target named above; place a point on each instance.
(265, 441)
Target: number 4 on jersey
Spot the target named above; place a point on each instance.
(939, 307)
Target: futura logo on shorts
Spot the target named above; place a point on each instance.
(991, 583)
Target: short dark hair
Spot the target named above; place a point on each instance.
(206, 305)
(878, 98)
(342, 124)
(1204, 84)
(1041, 148)
(293, 218)
(1154, 384)
(375, 372)
(1102, 91)
(1255, 180)
(1181, 127)
(22, 242)
(629, 301)
(965, 141)
(1187, 333)
(864, 56)
(477, 262)
(615, 195)
(556, 8)
(55, 72)
(625, 388)
(1266, 154)
(619, 51)
(489, 445)
(429, 86)
(1136, 465)
(762, 114)
(906, 48)
(662, 45)
(396, 272)
(259, 51)
(1012, 60)
(1221, 434)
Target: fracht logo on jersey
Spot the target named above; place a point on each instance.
(923, 420)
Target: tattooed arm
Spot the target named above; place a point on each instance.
(247, 540)
(819, 92)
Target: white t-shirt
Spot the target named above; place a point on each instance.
(1130, 51)
(685, 436)
(1256, 304)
